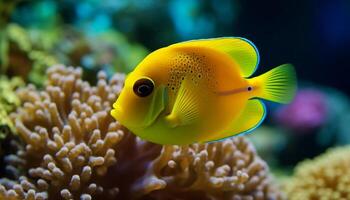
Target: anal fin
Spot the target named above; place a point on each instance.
(251, 117)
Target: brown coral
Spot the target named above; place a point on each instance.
(222, 170)
(325, 177)
(69, 137)
(75, 150)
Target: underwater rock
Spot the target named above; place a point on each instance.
(325, 177)
(73, 149)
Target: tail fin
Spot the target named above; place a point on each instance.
(278, 85)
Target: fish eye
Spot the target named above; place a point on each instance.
(143, 87)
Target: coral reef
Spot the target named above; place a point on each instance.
(317, 119)
(22, 55)
(222, 170)
(109, 51)
(307, 111)
(8, 102)
(29, 52)
(317, 110)
(325, 177)
(73, 149)
(268, 141)
(8, 99)
(32, 39)
(68, 135)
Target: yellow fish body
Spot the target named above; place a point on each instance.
(200, 91)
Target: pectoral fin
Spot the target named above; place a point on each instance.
(252, 116)
(186, 106)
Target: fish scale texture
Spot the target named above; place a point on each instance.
(71, 148)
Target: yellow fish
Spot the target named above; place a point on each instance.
(200, 91)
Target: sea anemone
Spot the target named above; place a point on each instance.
(325, 177)
(73, 149)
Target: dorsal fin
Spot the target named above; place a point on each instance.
(241, 50)
(251, 117)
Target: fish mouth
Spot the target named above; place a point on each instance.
(118, 114)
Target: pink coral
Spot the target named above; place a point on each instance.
(306, 112)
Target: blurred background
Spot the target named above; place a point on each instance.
(114, 35)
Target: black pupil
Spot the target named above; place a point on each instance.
(143, 87)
